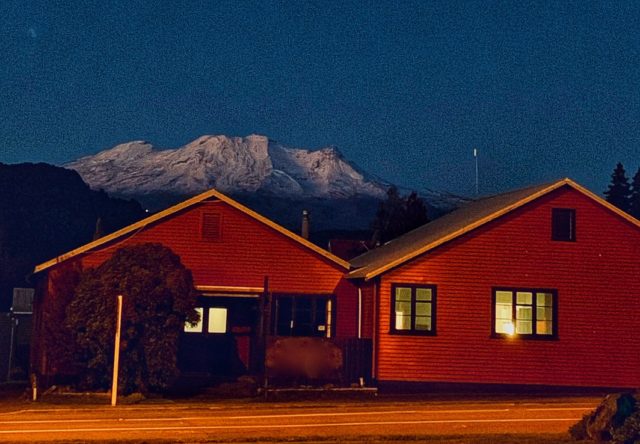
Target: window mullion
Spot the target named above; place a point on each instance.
(413, 308)
(514, 312)
(534, 316)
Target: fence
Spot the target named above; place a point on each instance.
(313, 361)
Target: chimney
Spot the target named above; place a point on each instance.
(304, 232)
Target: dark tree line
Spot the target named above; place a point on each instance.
(623, 194)
(398, 215)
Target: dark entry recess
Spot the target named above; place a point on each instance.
(223, 346)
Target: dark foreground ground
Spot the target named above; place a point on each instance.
(428, 418)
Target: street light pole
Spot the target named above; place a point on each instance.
(116, 354)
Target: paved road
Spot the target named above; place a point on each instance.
(202, 422)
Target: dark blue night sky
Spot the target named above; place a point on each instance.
(404, 89)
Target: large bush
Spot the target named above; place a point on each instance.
(158, 297)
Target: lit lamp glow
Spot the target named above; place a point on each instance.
(509, 328)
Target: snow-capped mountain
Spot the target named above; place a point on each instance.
(273, 179)
(229, 164)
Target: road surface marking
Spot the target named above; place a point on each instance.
(294, 415)
(199, 418)
(285, 426)
(558, 409)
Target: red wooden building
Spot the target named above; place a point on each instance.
(236, 256)
(538, 286)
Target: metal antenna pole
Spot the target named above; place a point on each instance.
(475, 155)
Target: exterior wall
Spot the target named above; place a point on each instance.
(368, 304)
(50, 353)
(247, 252)
(598, 302)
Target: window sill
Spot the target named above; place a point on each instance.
(524, 337)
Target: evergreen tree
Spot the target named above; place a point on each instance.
(634, 199)
(619, 191)
(397, 215)
(99, 231)
(158, 297)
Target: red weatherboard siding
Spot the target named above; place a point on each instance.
(247, 252)
(368, 304)
(598, 302)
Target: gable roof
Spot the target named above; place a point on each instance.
(182, 206)
(457, 223)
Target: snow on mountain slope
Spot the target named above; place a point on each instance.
(230, 164)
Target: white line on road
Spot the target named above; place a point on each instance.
(285, 426)
(294, 415)
(558, 409)
(200, 418)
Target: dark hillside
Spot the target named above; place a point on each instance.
(45, 211)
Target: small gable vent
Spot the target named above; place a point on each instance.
(211, 226)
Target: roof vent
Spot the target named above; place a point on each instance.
(211, 226)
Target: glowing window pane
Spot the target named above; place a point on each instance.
(403, 308)
(423, 323)
(403, 322)
(504, 297)
(524, 327)
(197, 328)
(503, 311)
(544, 328)
(423, 294)
(217, 320)
(524, 313)
(544, 299)
(524, 297)
(403, 294)
(423, 309)
(504, 326)
(544, 313)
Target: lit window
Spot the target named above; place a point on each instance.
(524, 312)
(413, 309)
(217, 320)
(563, 224)
(196, 328)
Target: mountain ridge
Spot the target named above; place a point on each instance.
(229, 164)
(269, 177)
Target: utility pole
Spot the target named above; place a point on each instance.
(116, 354)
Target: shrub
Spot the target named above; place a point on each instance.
(616, 419)
(629, 432)
(158, 297)
(578, 431)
